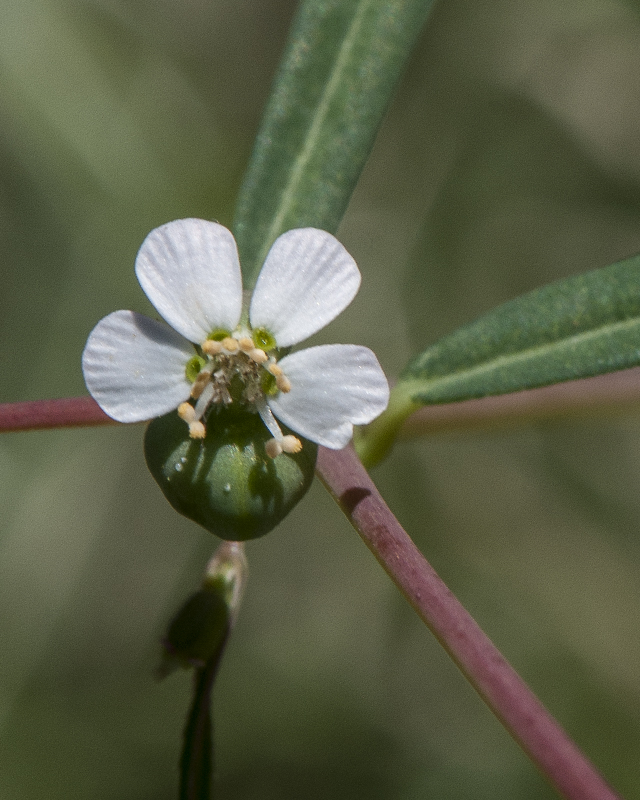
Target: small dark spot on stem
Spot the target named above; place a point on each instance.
(350, 499)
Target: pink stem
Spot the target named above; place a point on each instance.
(615, 391)
(506, 694)
(65, 413)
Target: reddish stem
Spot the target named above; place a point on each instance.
(65, 413)
(616, 391)
(506, 694)
(611, 393)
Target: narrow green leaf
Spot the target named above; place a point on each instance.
(575, 328)
(338, 73)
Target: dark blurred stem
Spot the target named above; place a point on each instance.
(506, 694)
(196, 761)
(225, 578)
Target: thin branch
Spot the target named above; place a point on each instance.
(615, 392)
(69, 412)
(506, 694)
(612, 393)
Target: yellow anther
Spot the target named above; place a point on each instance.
(187, 412)
(291, 444)
(274, 369)
(245, 343)
(273, 448)
(200, 382)
(212, 347)
(258, 355)
(230, 344)
(197, 430)
(283, 383)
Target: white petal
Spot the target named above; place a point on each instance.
(134, 367)
(308, 278)
(333, 388)
(190, 271)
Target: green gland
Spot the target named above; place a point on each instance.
(194, 365)
(219, 334)
(263, 339)
(226, 482)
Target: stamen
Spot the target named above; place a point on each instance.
(212, 347)
(258, 355)
(204, 400)
(200, 382)
(230, 344)
(239, 360)
(187, 412)
(273, 448)
(291, 444)
(197, 430)
(269, 420)
(245, 343)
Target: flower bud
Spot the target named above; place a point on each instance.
(226, 482)
(199, 630)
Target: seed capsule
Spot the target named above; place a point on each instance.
(227, 481)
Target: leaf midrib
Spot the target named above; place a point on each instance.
(302, 159)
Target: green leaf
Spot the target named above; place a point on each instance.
(338, 73)
(575, 328)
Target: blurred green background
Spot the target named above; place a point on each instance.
(510, 157)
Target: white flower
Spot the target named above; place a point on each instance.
(215, 353)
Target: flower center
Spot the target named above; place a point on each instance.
(237, 368)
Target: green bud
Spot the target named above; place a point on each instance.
(199, 630)
(196, 633)
(226, 482)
